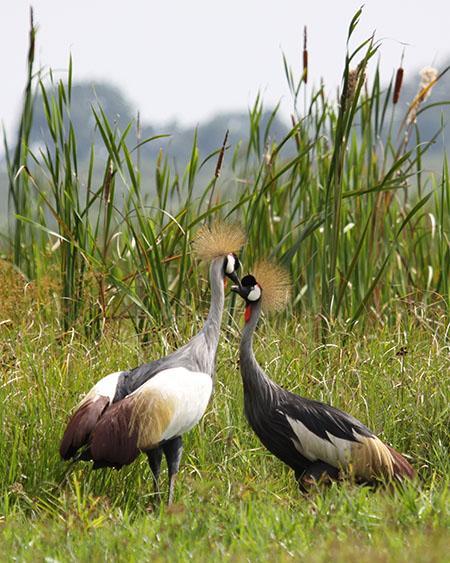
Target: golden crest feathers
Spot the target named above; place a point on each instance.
(275, 283)
(219, 239)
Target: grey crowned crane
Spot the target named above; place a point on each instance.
(148, 408)
(318, 441)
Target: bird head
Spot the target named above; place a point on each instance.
(220, 242)
(269, 284)
(231, 265)
(248, 289)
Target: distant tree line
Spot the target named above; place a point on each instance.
(119, 110)
(88, 95)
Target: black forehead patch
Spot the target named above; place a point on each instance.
(248, 281)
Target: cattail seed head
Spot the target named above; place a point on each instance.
(221, 155)
(305, 55)
(398, 85)
(354, 76)
(350, 89)
(428, 77)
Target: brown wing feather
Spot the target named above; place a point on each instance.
(114, 440)
(372, 458)
(402, 468)
(81, 425)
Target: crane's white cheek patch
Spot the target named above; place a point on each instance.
(231, 263)
(169, 404)
(254, 294)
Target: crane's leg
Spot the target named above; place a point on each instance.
(317, 472)
(154, 460)
(173, 450)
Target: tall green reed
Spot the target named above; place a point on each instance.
(341, 200)
(19, 197)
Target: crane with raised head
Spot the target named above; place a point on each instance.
(318, 441)
(148, 408)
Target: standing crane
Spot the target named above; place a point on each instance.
(149, 408)
(318, 441)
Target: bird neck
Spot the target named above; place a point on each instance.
(211, 328)
(216, 281)
(254, 379)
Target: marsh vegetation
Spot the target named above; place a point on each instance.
(97, 274)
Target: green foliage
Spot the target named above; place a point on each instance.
(341, 200)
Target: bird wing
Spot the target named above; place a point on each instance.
(130, 381)
(167, 405)
(113, 388)
(324, 433)
(87, 413)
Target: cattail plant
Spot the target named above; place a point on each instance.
(305, 55)
(398, 82)
(19, 198)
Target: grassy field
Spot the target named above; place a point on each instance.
(96, 275)
(233, 499)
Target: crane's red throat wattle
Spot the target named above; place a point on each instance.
(248, 313)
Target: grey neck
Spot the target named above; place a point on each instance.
(203, 347)
(199, 354)
(254, 379)
(211, 328)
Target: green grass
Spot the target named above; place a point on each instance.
(233, 499)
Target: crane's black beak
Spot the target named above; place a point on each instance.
(235, 278)
(240, 290)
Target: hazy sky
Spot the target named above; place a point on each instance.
(190, 59)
